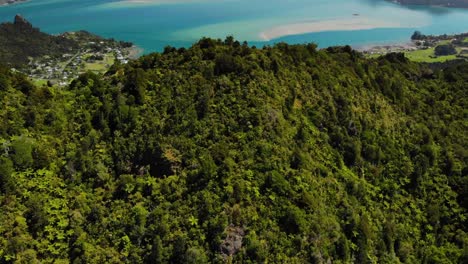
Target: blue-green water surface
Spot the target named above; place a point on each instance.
(154, 24)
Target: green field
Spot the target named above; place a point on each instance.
(427, 55)
(101, 66)
(466, 40)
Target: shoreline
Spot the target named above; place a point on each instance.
(7, 3)
(135, 52)
(415, 3)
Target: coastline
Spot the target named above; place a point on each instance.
(446, 4)
(134, 52)
(4, 3)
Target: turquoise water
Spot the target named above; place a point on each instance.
(158, 23)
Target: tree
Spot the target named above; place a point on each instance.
(4, 82)
(225, 64)
(417, 35)
(6, 169)
(22, 152)
(444, 50)
(136, 84)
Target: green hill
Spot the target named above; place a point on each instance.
(225, 153)
(20, 40)
(22, 43)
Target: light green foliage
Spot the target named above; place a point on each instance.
(226, 153)
(428, 55)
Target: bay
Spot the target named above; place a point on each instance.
(154, 24)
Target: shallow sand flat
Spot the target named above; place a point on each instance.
(157, 1)
(137, 3)
(326, 25)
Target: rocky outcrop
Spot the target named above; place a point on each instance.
(233, 241)
(22, 22)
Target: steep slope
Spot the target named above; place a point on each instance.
(223, 152)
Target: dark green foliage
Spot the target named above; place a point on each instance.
(225, 63)
(35, 216)
(136, 84)
(4, 83)
(6, 181)
(22, 152)
(224, 153)
(417, 35)
(444, 50)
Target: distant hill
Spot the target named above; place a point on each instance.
(20, 40)
(448, 3)
(4, 2)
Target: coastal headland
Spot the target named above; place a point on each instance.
(10, 2)
(59, 58)
(445, 3)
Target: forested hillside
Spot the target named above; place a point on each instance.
(20, 41)
(22, 44)
(227, 153)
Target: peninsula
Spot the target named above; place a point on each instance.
(9, 2)
(445, 3)
(426, 48)
(58, 58)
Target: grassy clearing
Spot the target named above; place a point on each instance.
(444, 42)
(101, 66)
(373, 56)
(465, 40)
(427, 55)
(39, 82)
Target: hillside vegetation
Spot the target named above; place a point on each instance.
(20, 40)
(225, 153)
(22, 44)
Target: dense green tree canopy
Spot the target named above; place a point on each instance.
(444, 50)
(223, 152)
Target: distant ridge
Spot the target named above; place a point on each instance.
(447, 3)
(20, 40)
(9, 2)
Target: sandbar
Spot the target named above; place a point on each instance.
(356, 23)
(136, 3)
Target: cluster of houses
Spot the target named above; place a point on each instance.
(62, 69)
(120, 57)
(381, 50)
(422, 43)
